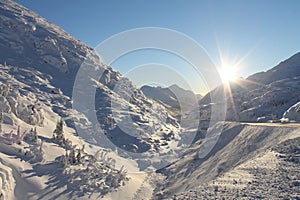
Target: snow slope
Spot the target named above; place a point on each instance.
(273, 174)
(286, 69)
(36, 169)
(30, 42)
(238, 145)
(39, 44)
(38, 67)
(293, 113)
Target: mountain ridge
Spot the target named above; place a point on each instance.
(262, 95)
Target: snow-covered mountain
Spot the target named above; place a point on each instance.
(175, 98)
(262, 96)
(38, 67)
(51, 150)
(29, 41)
(289, 68)
(39, 44)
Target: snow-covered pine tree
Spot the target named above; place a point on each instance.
(10, 138)
(19, 136)
(72, 156)
(28, 136)
(65, 159)
(32, 136)
(58, 133)
(35, 136)
(41, 147)
(78, 156)
(23, 135)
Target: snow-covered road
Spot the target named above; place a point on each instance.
(273, 124)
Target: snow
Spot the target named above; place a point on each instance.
(268, 176)
(237, 144)
(48, 60)
(293, 113)
(44, 170)
(7, 183)
(286, 69)
(39, 67)
(135, 136)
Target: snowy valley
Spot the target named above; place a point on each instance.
(51, 147)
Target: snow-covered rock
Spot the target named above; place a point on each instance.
(293, 113)
(7, 182)
(7, 119)
(23, 107)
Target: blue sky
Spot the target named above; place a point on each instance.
(263, 32)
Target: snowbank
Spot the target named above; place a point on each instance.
(293, 113)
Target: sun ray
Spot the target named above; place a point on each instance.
(229, 94)
(229, 74)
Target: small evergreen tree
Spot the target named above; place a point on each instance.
(41, 147)
(58, 133)
(29, 135)
(19, 136)
(32, 136)
(78, 156)
(23, 136)
(65, 159)
(72, 156)
(35, 136)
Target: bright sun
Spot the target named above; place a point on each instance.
(228, 73)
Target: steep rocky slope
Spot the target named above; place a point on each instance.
(28, 41)
(262, 96)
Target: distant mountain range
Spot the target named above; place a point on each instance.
(174, 98)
